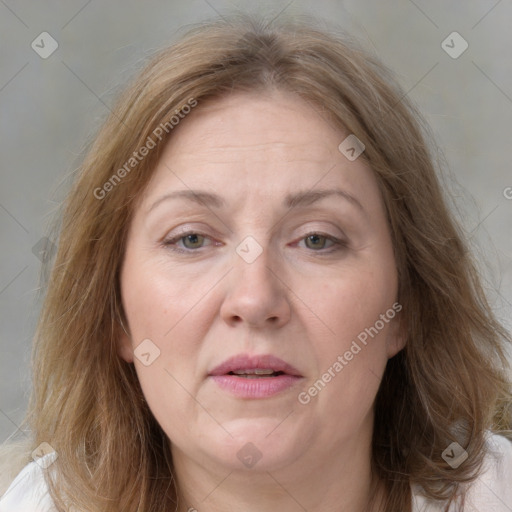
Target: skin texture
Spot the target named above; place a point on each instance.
(299, 300)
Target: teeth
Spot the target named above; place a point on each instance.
(263, 372)
(257, 371)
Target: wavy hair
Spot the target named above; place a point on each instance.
(448, 384)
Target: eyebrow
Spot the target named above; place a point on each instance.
(295, 200)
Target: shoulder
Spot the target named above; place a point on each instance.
(28, 491)
(492, 490)
(14, 455)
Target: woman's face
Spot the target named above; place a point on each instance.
(259, 245)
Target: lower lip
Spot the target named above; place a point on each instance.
(259, 387)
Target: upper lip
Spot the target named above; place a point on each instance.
(246, 362)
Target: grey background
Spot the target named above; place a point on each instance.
(49, 108)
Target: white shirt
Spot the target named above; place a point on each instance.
(492, 491)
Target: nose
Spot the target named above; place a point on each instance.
(256, 294)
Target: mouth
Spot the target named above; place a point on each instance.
(255, 376)
(257, 373)
(259, 366)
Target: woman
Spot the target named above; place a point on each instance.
(261, 301)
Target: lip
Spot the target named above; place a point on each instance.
(260, 387)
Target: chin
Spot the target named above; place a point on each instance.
(263, 444)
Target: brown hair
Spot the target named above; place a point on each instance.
(448, 384)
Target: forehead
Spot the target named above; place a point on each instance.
(250, 123)
(269, 145)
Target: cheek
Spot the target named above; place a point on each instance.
(159, 309)
(353, 354)
(353, 302)
(158, 301)
(162, 307)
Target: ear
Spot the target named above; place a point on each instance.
(396, 337)
(124, 345)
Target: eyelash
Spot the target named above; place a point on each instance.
(338, 244)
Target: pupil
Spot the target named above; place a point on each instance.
(314, 238)
(192, 238)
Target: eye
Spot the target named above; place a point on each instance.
(317, 241)
(191, 240)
